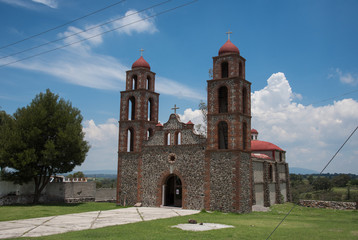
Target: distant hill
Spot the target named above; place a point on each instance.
(296, 170)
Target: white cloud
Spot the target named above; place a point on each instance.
(170, 87)
(79, 64)
(135, 22)
(31, 4)
(310, 135)
(49, 3)
(346, 78)
(103, 139)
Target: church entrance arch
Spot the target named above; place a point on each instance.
(173, 191)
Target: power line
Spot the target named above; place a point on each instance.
(86, 30)
(62, 25)
(331, 98)
(314, 180)
(111, 30)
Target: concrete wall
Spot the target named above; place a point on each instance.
(106, 195)
(259, 194)
(11, 193)
(7, 188)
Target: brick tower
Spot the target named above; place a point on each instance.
(138, 117)
(228, 170)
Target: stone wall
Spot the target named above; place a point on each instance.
(188, 165)
(329, 204)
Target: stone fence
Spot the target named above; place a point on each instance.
(329, 204)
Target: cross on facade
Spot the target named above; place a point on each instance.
(175, 109)
(228, 34)
(141, 51)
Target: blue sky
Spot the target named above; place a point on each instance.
(299, 54)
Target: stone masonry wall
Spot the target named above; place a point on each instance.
(188, 166)
(128, 178)
(329, 204)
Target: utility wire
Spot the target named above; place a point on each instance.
(327, 99)
(314, 181)
(86, 30)
(62, 25)
(111, 30)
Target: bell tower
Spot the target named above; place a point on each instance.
(228, 153)
(139, 107)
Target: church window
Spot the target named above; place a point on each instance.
(148, 83)
(223, 100)
(167, 139)
(134, 82)
(240, 70)
(150, 110)
(244, 131)
(178, 138)
(244, 100)
(149, 133)
(223, 135)
(224, 70)
(131, 108)
(130, 140)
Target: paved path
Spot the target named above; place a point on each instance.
(44, 226)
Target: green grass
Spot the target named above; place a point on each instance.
(16, 212)
(302, 223)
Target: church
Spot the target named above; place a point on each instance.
(168, 164)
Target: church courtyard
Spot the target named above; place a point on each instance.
(302, 223)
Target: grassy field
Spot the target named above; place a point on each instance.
(8, 213)
(302, 223)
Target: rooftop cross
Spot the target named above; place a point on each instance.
(141, 51)
(228, 34)
(175, 109)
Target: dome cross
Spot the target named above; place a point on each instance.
(228, 34)
(141, 51)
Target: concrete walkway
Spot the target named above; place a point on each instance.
(44, 226)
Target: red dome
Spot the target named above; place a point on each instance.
(257, 145)
(228, 47)
(159, 125)
(190, 123)
(141, 63)
(254, 131)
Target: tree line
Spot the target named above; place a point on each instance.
(327, 187)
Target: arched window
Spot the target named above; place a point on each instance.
(244, 135)
(223, 135)
(149, 133)
(167, 139)
(130, 140)
(150, 110)
(240, 70)
(244, 100)
(223, 100)
(131, 108)
(177, 138)
(148, 83)
(224, 70)
(134, 82)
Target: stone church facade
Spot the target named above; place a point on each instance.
(171, 165)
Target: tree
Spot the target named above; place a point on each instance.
(201, 128)
(341, 180)
(322, 183)
(42, 139)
